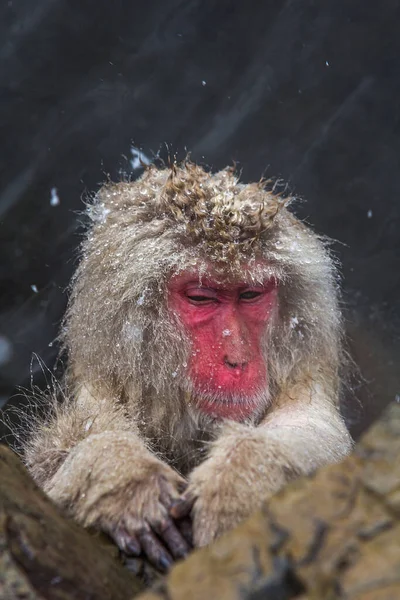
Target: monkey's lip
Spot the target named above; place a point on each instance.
(235, 394)
(233, 404)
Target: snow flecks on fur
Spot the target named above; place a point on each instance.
(118, 331)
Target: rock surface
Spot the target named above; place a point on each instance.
(335, 535)
(45, 556)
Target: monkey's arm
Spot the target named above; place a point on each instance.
(248, 464)
(92, 462)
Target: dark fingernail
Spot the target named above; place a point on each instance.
(186, 530)
(165, 563)
(182, 553)
(133, 547)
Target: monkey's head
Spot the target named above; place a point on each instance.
(196, 286)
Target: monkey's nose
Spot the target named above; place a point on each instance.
(232, 364)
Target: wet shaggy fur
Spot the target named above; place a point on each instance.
(129, 421)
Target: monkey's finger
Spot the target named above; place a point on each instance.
(182, 486)
(182, 507)
(126, 542)
(173, 538)
(168, 493)
(186, 528)
(154, 550)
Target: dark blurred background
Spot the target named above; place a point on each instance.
(304, 90)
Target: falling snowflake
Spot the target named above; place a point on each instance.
(54, 197)
(138, 159)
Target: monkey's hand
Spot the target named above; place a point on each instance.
(111, 482)
(244, 468)
(247, 465)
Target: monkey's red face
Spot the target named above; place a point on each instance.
(225, 323)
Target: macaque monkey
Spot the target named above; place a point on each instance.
(204, 355)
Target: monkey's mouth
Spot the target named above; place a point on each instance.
(234, 406)
(229, 393)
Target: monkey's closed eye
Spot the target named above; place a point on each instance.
(250, 295)
(197, 299)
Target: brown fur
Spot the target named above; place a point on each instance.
(128, 435)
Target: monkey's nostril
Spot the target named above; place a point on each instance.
(234, 365)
